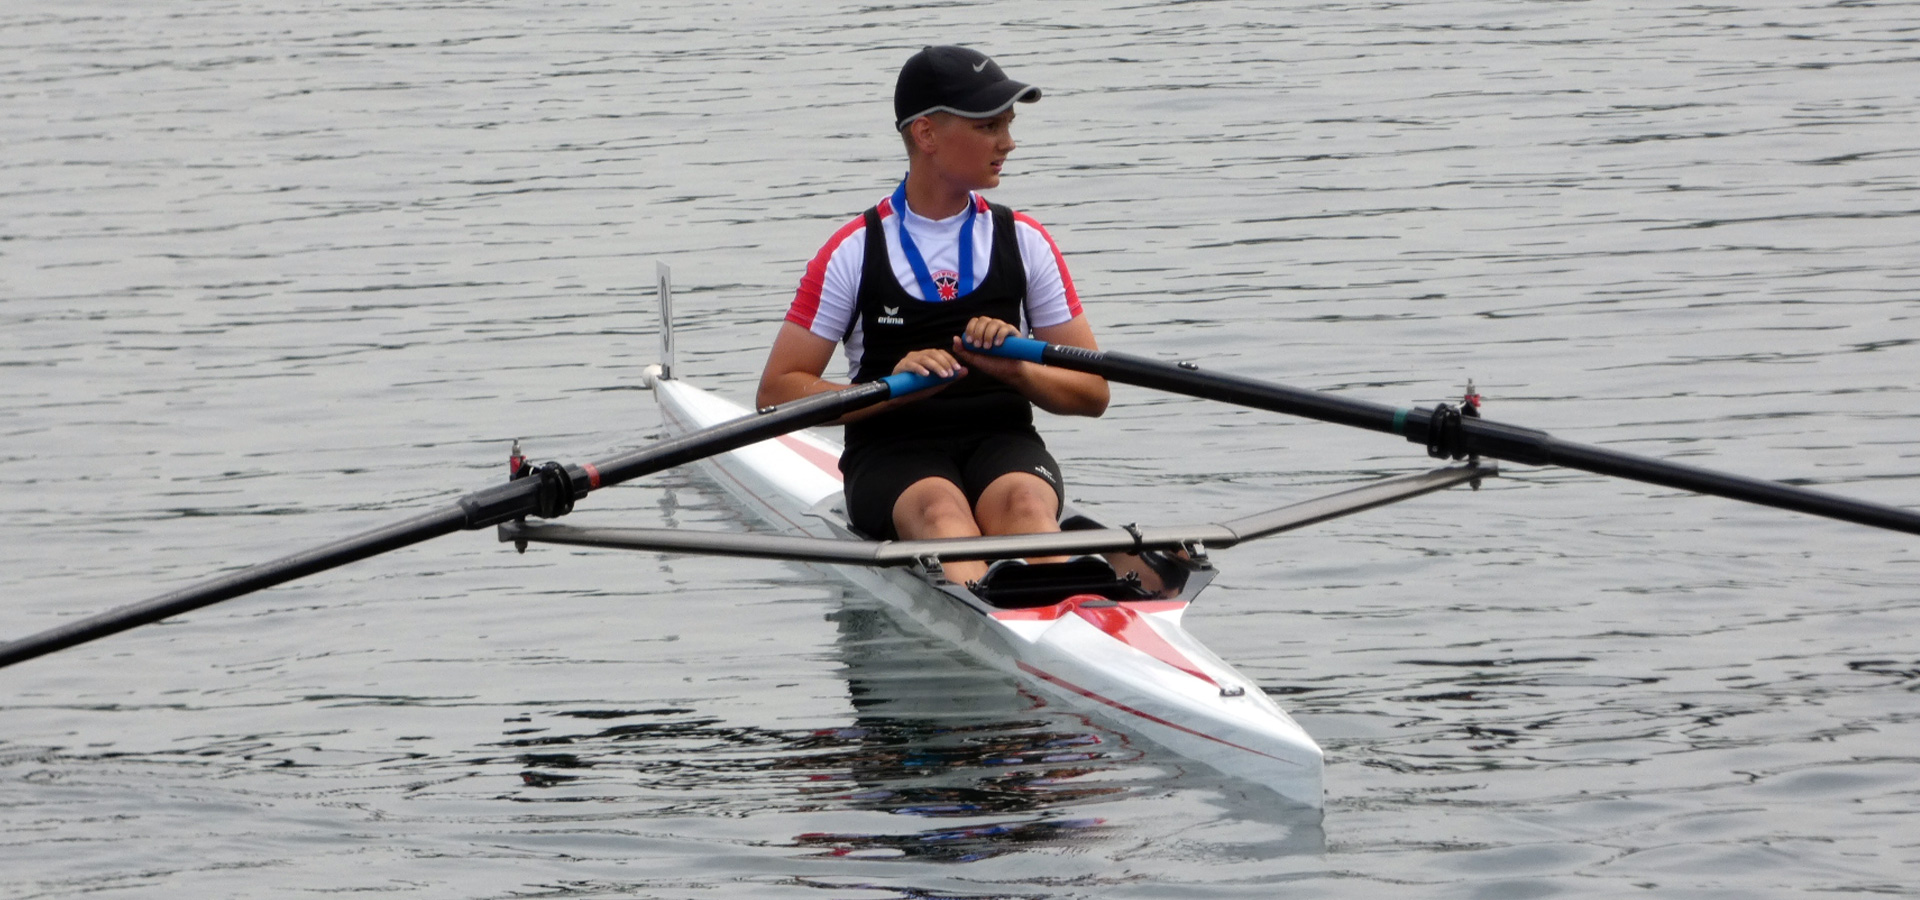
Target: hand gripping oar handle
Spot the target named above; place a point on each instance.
(546, 496)
(1446, 433)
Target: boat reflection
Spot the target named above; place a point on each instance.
(938, 736)
(980, 767)
(934, 735)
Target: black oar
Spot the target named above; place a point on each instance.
(1449, 434)
(547, 491)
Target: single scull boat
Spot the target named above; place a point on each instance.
(1100, 633)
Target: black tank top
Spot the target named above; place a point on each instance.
(895, 324)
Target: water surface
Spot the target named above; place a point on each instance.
(274, 273)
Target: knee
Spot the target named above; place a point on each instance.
(945, 513)
(933, 511)
(1028, 504)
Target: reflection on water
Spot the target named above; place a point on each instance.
(934, 736)
(968, 844)
(914, 751)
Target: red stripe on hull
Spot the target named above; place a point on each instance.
(1061, 682)
(827, 462)
(682, 425)
(1127, 626)
(1122, 622)
(1050, 613)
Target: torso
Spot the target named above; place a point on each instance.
(825, 301)
(896, 323)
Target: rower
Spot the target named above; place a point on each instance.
(903, 284)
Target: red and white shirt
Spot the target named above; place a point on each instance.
(825, 302)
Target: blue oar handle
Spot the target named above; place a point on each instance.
(1020, 348)
(1028, 349)
(904, 383)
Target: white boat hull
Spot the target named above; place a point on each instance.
(1130, 662)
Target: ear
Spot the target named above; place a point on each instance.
(922, 131)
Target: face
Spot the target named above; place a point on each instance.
(970, 152)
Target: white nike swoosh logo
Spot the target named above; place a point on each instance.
(982, 65)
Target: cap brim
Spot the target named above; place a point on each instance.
(986, 103)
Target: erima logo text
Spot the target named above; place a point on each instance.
(890, 315)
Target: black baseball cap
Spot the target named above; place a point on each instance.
(955, 80)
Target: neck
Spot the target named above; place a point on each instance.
(932, 198)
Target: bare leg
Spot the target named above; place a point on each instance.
(937, 508)
(1019, 503)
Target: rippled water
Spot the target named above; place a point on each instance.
(271, 273)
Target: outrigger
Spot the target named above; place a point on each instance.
(1101, 632)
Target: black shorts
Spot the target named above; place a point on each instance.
(882, 473)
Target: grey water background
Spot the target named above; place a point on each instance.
(272, 273)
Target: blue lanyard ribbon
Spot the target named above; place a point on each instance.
(929, 291)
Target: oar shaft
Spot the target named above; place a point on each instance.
(1602, 461)
(229, 586)
(767, 423)
(1453, 435)
(480, 509)
(1185, 378)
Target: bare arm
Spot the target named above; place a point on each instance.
(795, 366)
(1062, 392)
(798, 362)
